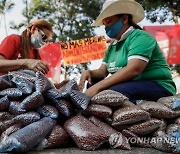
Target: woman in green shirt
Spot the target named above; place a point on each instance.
(137, 66)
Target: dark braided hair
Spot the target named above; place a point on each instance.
(130, 21)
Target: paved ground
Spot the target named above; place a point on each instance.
(100, 151)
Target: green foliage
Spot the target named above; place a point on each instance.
(71, 20)
(161, 10)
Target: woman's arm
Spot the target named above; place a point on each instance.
(133, 69)
(100, 73)
(10, 65)
(13, 65)
(89, 75)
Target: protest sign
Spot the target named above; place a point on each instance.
(83, 50)
(168, 38)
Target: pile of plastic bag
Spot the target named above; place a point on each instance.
(34, 115)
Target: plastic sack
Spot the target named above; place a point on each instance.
(173, 146)
(42, 83)
(79, 99)
(109, 98)
(162, 129)
(15, 108)
(32, 101)
(118, 140)
(135, 140)
(5, 82)
(177, 121)
(85, 134)
(27, 138)
(4, 103)
(22, 75)
(24, 85)
(146, 127)
(168, 101)
(5, 116)
(129, 115)
(97, 110)
(72, 85)
(176, 104)
(158, 144)
(53, 94)
(57, 138)
(9, 131)
(48, 111)
(172, 128)
(64, 107)
(29, 72)
(12, 93)
(5, 125)
(106, 129)
(158, 110)
(26, 118)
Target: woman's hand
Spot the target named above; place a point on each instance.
(86, 75)
(92, 91)
(36, 65)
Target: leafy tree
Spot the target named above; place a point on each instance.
(71, 20)
(161, 10)
(5, 6)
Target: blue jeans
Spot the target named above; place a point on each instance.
(141, 90)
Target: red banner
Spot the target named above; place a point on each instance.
(168, 38)
(51, 55)
(84, 50)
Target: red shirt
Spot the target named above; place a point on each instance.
(10, 47)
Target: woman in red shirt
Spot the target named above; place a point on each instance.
(21, 51)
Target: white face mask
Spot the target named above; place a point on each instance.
(37, 40)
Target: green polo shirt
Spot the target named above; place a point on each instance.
(139, 44)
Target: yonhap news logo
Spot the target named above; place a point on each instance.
(153, 140)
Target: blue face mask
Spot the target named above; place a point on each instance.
(113, 30)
